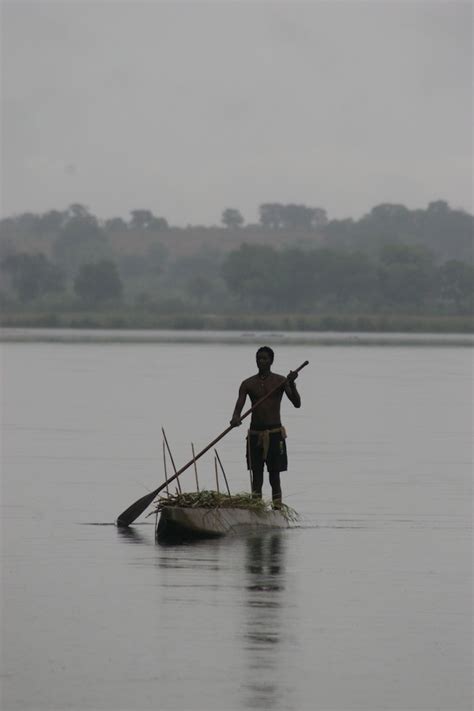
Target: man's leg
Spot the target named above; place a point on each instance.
(257, 481)
(276, 489)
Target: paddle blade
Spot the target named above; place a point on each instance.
(135, 510)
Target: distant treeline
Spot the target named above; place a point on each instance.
(295, 260)
(446, 232)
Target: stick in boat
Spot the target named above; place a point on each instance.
(222, 470)
(165, 468)
(138, 507)
(217, 475)
(172, 461)
(195, 467)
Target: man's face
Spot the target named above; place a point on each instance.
(263, 361)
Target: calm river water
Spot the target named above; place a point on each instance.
(366, 604)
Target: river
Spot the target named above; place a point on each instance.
(364, 604)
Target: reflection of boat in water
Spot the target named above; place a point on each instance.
(176, 522)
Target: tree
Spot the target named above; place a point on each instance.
(389, 212)
(7, 225)
(340, 233)
(439, 207)
(115, 224)
(80, 240)
(32, 275)
(50, 222)
(300, 217)
(251, 272)
(406, 254)
(456, 285)
(319, 217)
(140, 219)
(446, 232)
(146, 220)
(158, 223)
(275, 216)
(350, 278)
(270, 215)
(25, 223)
(406, 275)
(295, 277)
(156, 256)
(449, 232)
(199, 287)
(99, 282)
(78, 211)
(232, 218)
(386, 223)
(152, 262)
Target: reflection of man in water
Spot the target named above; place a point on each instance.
(266, 603)
(264, 558)
(266, 436)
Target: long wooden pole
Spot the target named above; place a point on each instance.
(138, 507)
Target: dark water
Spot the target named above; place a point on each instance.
(365, 605)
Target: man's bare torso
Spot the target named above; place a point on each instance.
(267, 414)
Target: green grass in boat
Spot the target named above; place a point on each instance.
(213, 500)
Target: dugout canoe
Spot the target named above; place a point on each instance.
(176, 522)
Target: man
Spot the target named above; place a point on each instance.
(266, 436)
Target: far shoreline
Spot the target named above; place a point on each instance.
(223, 337)
(132, 319)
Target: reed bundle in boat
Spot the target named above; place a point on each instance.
(214, 499)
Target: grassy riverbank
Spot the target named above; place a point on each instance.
(131, 319)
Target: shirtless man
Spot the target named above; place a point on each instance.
(266, 436)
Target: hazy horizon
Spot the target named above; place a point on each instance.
(191, 107)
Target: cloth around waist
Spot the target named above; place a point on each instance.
(263, 436)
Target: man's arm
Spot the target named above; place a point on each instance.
(290, 389)
(236, 421)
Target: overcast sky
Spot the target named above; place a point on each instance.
(186, 108)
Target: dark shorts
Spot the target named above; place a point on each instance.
(276, 459)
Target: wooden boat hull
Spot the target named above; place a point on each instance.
(177, 522)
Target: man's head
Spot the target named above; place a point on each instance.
(265, 357)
